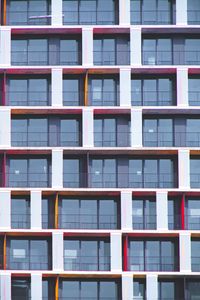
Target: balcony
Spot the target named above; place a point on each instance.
(73, 98)
(151, 17)
(20, 179)
(152, 98)
(193, 222)
(108, 57)
(87, 263)
(194, 180)
(27, 98)
(146, 222)
(112, 139)
(89, 17)
(193, 16)
(194, 98)
(25, 17)
(20, 221)
(33, 262)
(103, 98)
(155, 263)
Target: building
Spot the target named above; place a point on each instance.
(99, 150)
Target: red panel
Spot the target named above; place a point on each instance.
(126, 253)
(183, 212)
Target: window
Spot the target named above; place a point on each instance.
(194, 91)
(193, 7)
(87, 255)
(152, 12)
(170, 289)
(48, 288)
(28, 92)
(158, 132)
(144, 213)
(139, 289)
(20, 212)
(36, 51)
(73, 91)
(20, 288)
(157, 51)
(89, 12)
(88, 213)
(174, 214)
(103, 91)
(111, 51)
(195, 255)
(73, 174)
(103, 173)
(192, 214)
(192, 288)
(194, 172)
(152, 91)
(111, 132)
(27, 254)
(89, 289)
(48, 213)
(29, 12)
(153, 255)
(28, 172)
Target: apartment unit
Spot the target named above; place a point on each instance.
(100, 150)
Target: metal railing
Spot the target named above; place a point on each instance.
(21, 179)
(108, 57)
(144, 222)
(193, 222)
(37, 58)
(20, 220)
(194, 98)
(93, 17)
(195, 262)
(87, 263)
(152, 98)
(73, 98)
(27, 98)
(151, 17)
(194, 180)
(33, 262)
(155, 263)
(194, 16)
(26, 17)
(112, 139)
(87, 221)
(103, 98)
(163, 57)
(42, 139)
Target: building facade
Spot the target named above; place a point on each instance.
(100, 150)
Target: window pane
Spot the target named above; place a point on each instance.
(17, 92)
(38, 132)
(152, 256)
(19, 55)
(18, 173)
(70, 10)
(136, 256)
(38, 52)
(71, 172)
(69, 52)
(69, 133)
(39, 255)
(17, 14)
(38, 92)
(19, 255)
(20, 213)
(38, 172)
(19, 134)
(71, 92)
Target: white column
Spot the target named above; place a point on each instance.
(5, 285)
(5, 210)
(5, 127)
(162, 210)
(184, 169)
(36, 209)
(127, 287)
(5, 46)
(116, 252)
(126, 210)
(88, 127)
(136, 46)
(185, 252)
(181, 12)
(182, 87)
(57, 14)
(136, 127)
(152, 287)
(57, 168)
(124, 12)
(57, 87)
(36, 286)
(125, 87)
(87, 46)
(58, 250)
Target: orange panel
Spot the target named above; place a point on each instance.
(86, 90)
(4, 12)
(57, 288)
(4, 253)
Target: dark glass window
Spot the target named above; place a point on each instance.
(88, 213)
(48, 289)
(194, 90)
(87, 255)
(26, 254)
(73, 91)
(73, 174)
(28, 12)
(111, 132)
(139, 289)
(157, 51)
(194, 172)
(195, 255)
(103, 173)
(48, 215)
(193, 7)
(89, 289)
(20, 212)
(192, 289)
(28, 172)
(111, 51)
(151, 255)
(103, 91)
(153, 91)
(28, 92)
(167, 290)
(89, 12)
(20, 288)
(153, 12)
(174, 214)
(45, 52)
(192, 214)
(144, 213)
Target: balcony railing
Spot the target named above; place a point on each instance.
(87, 221)
(119, 180)
(28, 18)
(103, 98)
(33, 262)
(73, 98)
(171, 57)
(194, 16)
(193, 222)
(194, 98)
(195, 180)
(195, 262)
(151, 17)
(154, 263)
(111, 57)
(87, 263)
(112, 139)
(152, 98)
(146, 222)
(20, 179)
(106, 17)
(27, 98)
(37, 58)
(20, 220)
(42, 139)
